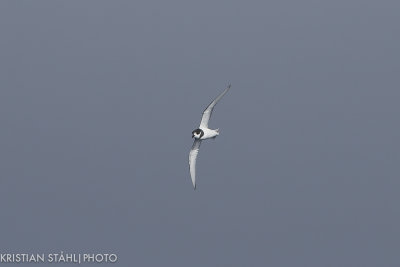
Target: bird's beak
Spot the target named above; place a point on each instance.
(192, 135)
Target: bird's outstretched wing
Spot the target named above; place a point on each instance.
(207, 112)
(192, 160)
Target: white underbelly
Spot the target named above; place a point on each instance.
(208, 133)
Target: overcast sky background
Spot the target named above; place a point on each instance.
(98, 100)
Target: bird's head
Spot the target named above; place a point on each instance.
(197, 134)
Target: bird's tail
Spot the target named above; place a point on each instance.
(217, 131)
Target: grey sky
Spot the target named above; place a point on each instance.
(98, 100)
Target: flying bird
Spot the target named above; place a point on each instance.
(202, 133)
